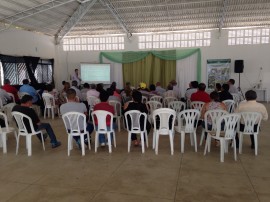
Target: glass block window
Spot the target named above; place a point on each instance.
(93, 43)
(174, 40)
(248, 36)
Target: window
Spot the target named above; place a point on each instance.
(175, 40)
(93, 43)
(248, 37)
(43, 72)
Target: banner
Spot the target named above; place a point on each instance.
(218, 71)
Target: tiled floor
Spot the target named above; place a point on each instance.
(53, 176)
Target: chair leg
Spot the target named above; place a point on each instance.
(69, 144)
(191, 139)
(171, 142)
(146, 138)
(96, 141)
(240, 142)
(182, 141)
(45, 112)
(256, 144)
(52, 112)
(156, 143)
(42, 139)
(17, 146)
(109, 142)
(119, 123)
(234, 149)
(202, 137)
(88, 138)
(129, 141)
(154, 139)
(82, 144)
(142, 142)
(195, 141)
(29, 144)
(114, 140)
(4, 142)
(222, 150)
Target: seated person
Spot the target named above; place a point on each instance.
(75, 87)
(159, 89)
(10, 89)
(218, 87)
(193, 87)
(73, 106)
(92, 91)
(251, 105)
(104, 105)
(232, 88)
(200, 95)
(26, 103)
(112, 95)
(225, 94)
(137, 105)
(86, 87)
(4, 96)
(170, 92)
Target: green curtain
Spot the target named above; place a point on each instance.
(134, 56)
(150, 70)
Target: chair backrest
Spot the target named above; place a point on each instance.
(21, 120)
(230, 104)
(12, 96)
(197, 105)
(100, 116)
(236, 98)
(156, 98)
(190, 119)
(5, 120)
(251, 119)
(211, 117)
(166, 118)
(144, 99)
(21, 94)
(177, 106)
(230, 122)
(117, 107)
(167, 100)
(92, 100)
(75, 122)
(133, 118)
(153, 105)
(48, 100)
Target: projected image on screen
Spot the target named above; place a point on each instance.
(96, 73)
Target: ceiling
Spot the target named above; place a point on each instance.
(101, 17)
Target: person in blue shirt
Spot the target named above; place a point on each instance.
(26, 88)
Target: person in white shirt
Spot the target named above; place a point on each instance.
(176, 89)
(92, 91)
(193, 87)
(170, 92)
(78, 92)
(232, 89)
(76, 77)
(4, 96)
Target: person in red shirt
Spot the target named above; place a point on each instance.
(10, 89)
(104, 105)
(201, 95)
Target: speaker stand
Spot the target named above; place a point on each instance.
(239, 88)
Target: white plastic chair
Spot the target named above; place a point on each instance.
(92, 101)
(144, 99)
(177, 106)
(230, 105)
(117, 112)
(236, 98)
(12, 96)
(73, 121)
(231, 123)
(167, 100)
(197, 105)
(133, 117)
(187, 123)
(212, 115)
(21, 94)
(49, 104)
(152, 106)
(166, 117)
(156, 98)
(250, 119)
(4, 131)
(21, 119)
(102, 128)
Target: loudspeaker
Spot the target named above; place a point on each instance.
(238, 66)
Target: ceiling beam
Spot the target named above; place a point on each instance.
(9, 20)
(222, 15)
(116, 15)
(83, 8)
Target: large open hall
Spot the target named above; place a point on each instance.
(134, 100)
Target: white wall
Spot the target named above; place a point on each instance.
(23, 43)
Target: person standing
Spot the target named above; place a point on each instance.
(232, 89)
(76, 77)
